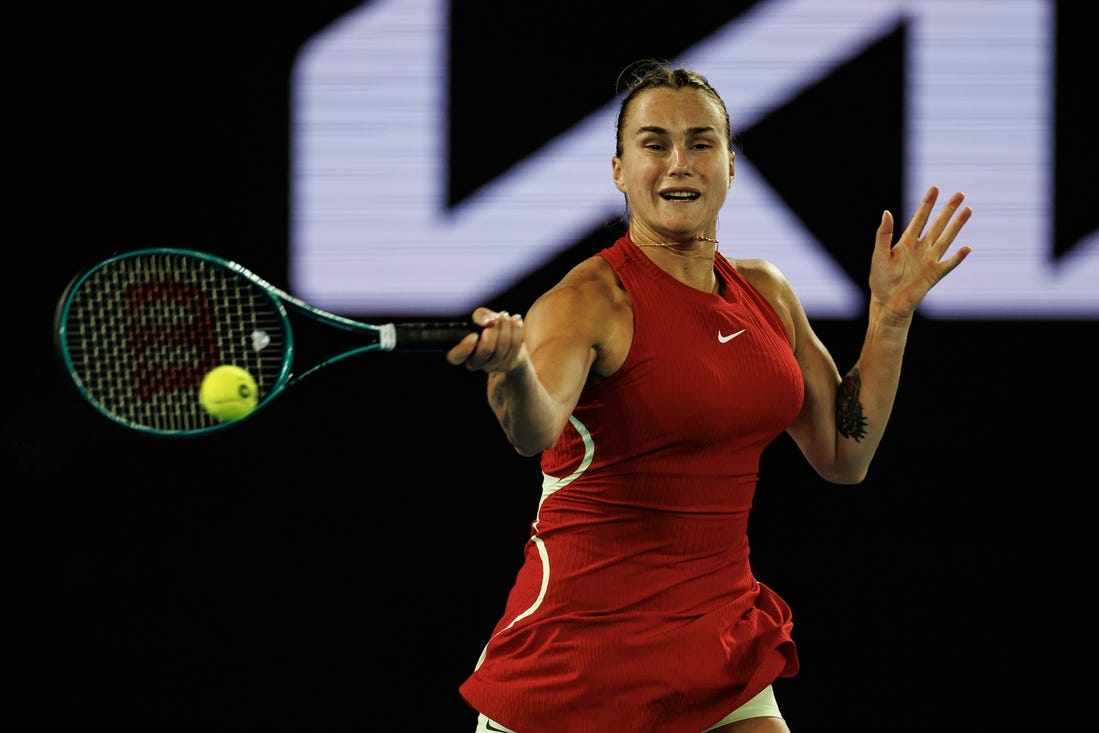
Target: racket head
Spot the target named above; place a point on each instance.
(138, 332)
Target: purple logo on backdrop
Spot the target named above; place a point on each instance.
(371, 231)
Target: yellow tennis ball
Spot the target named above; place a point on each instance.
(228, 392)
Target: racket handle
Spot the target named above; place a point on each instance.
(430, 335)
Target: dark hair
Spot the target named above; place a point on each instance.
(640, 76)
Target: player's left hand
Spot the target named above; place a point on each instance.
(901, 274)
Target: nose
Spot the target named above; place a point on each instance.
(679, 165)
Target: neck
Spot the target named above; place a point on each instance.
(690, 261)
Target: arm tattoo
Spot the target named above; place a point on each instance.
(849, 419)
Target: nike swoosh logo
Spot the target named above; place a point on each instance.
(730, 337)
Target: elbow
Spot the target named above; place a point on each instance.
(846, 468)
(843, 475)
(526, 451)
(529, 439)
(848, 480)
(532, 445)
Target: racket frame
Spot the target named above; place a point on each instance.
(389, 336)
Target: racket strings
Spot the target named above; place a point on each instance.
(141, 332)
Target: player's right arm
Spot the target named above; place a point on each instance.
(537, 365)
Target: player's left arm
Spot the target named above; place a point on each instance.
(842, 420)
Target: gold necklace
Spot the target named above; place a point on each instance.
(696, 238)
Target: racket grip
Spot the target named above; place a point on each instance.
(430, 335)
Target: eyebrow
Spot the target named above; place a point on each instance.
(661, 131)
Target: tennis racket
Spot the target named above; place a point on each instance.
(138, 332)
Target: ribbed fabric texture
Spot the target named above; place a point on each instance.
(636, 608)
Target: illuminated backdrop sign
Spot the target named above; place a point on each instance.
(372, 229)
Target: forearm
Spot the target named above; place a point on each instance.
(867, 392)
(524, 409)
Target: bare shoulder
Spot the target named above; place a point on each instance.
(768, 279)
(588, 304)
(592, 283)
(762, 274)
(595, 270)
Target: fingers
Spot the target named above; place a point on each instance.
(483, 316)
(461, 351)
(949, 231)
(954, 260)
(945, 226)
(496, 348)
(944, 220)
(884, 241)
(919, 219)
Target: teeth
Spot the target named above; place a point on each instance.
(685, 195)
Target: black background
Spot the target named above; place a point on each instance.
(337, 562)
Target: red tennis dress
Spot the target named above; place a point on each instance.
(635, 608)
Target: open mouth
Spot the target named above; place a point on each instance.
(680, 195)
